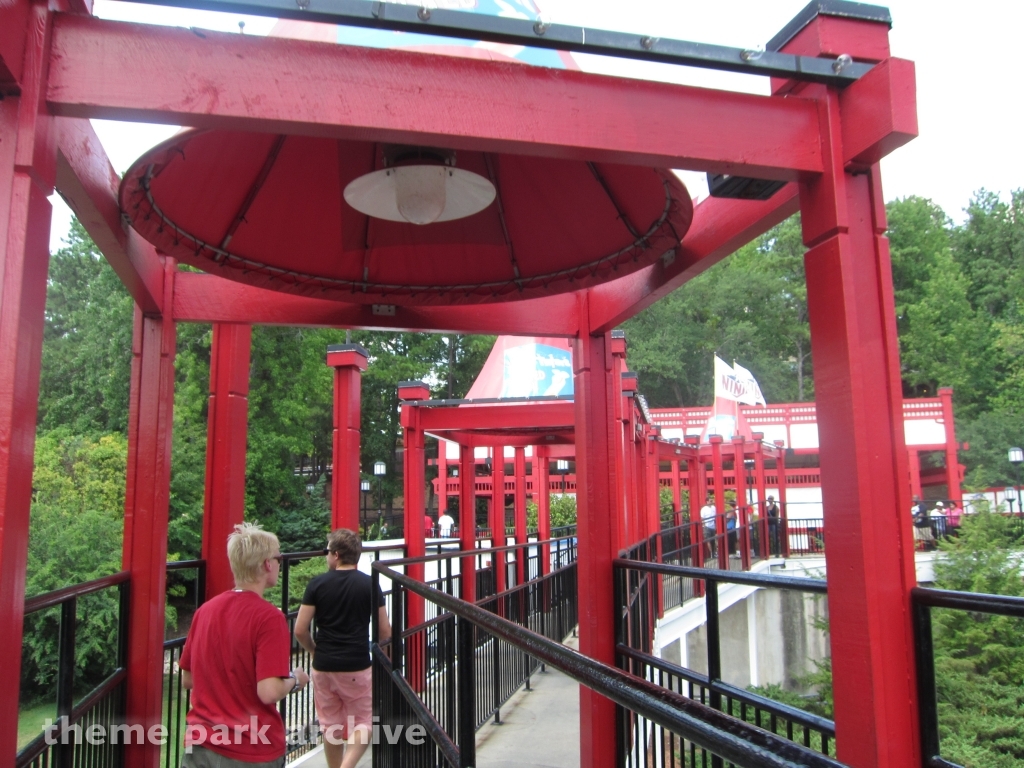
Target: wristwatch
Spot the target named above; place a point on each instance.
(295, 687)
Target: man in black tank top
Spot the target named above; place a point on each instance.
(342, 600)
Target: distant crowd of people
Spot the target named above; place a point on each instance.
(942, 519)
(709, 524)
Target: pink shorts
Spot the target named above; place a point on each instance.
(343, 699)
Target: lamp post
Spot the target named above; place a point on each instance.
(379, 469)
(364, 486)
(748, 465)
(1016, 456)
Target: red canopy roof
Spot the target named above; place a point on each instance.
(268, 210)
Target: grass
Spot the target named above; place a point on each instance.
(31, 721)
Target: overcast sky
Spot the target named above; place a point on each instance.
(968, 80)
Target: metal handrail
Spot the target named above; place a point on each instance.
(773, 581)
(729, 737)
(798, 716)
(58, 596)
(473, 552)
(1002, 605)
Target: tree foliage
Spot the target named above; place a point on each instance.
(979, 658)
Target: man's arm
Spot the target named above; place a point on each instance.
(272, 689)
(302, 627)
(186, 680)
(383, 625)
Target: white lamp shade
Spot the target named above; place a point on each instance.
(420, 194)
(1016, 455)
(562, 465)
(380, 468)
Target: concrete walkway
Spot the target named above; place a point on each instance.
(540, 727)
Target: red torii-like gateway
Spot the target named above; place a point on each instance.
(822, 135)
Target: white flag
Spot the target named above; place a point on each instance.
(750, 393)
(727, 386)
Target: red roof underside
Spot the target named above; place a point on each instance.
(299, 235)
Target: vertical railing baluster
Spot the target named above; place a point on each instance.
(66, 677)
(466, 689)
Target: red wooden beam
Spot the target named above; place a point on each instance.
(125, 71)
(201, 298)
(86, 180)
(563, 439)
(543, 415)
(720, 226)
(878, 114)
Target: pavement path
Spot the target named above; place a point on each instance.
(540, 727)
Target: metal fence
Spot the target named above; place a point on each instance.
(103, 705)
(452, 676)
(643, 743)
(981, 607)
(643, 704)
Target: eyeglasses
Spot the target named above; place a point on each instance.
(279, 558)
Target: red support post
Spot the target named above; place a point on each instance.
(520, 512)
(863, 454)
(677, 496)
(348, 361)
(761, 498)
(498, 516)
(952, 462)
(596, 468)
(914, 460)
(652, 481)
(742, 510)
(414, 473)
(542, 495)
(467, 523)
(226, 432)
(27, 170)
(719, 477)
(442, 477)
(695, 476)
(147, 495)
(625, 382)
(780, 465)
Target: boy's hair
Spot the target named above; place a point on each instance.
(346, 545)
(248, 548)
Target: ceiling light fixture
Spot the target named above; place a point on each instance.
(419, 185)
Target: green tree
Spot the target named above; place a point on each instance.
(990, 249)
(979, 658)
(87, 342)
(75, 535)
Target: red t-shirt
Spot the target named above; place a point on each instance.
(236, 640)
(428, 523)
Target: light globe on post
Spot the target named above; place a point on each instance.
(379, 469)
(364, 486)
(1016, 457)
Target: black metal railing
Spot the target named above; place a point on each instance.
(65, 745)
(636, 598)
(429, 659)
(980, 606)
(643, 702)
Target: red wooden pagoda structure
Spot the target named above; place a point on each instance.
(587, 228)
